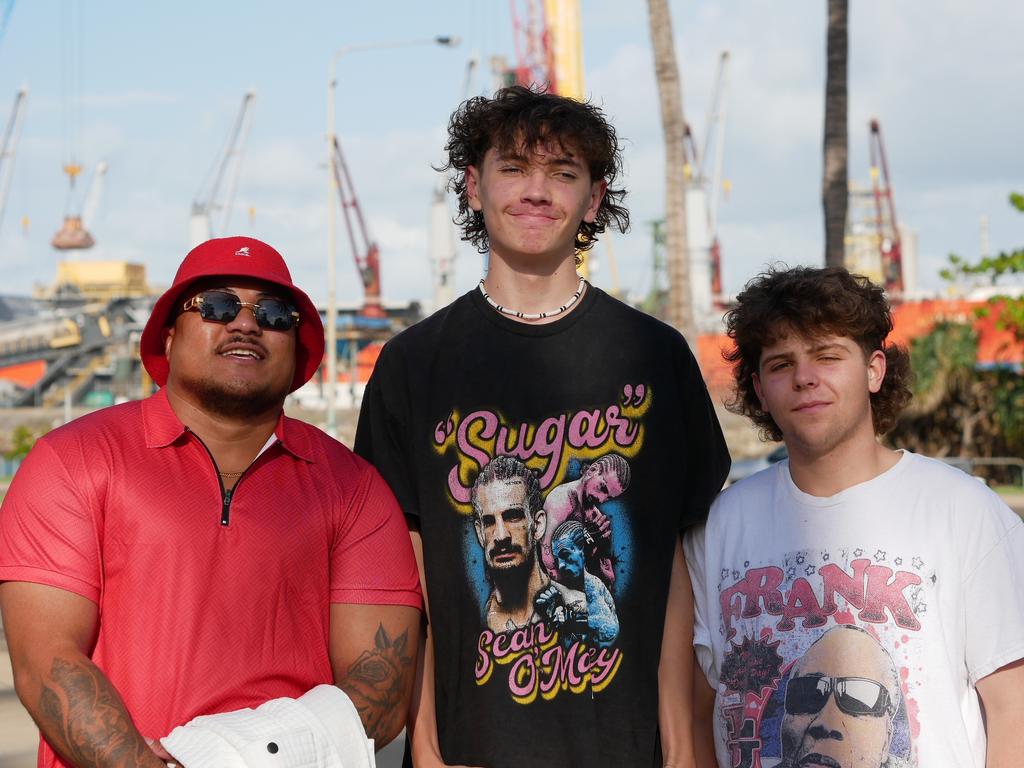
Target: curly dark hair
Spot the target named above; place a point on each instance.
(813, 301)
(519, 120)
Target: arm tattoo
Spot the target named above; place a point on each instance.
(376, 683)
(82, 716)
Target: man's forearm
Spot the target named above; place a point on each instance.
(422, 724)
(1003, 705)
(1005, 733)
(675, 669)
(379, 684)
(81, 715)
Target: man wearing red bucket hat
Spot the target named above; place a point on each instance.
(200, 552)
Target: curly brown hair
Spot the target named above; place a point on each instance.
(520, 120)
(812, 302)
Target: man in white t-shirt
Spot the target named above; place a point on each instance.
(855, 605)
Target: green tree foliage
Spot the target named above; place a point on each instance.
(22, 440)
(1009, 311)
(959, 410)
(941, 361)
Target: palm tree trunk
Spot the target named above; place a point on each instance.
(835, 193)
(670, 92)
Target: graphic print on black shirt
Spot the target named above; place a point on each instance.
(546, 539)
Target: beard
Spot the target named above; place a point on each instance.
(237, 399)
(513, 583)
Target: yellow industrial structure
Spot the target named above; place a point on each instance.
(99, 280)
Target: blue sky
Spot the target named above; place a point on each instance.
(161, 83)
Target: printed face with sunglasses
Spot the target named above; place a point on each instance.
(840, 702)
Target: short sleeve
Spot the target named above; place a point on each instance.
(993, 593)
(693, 549)
(381, 436)
(372, 561)
(707, 456)
(48, 527)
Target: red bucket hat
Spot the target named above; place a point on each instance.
(237, 257)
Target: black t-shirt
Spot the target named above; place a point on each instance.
(548, 597)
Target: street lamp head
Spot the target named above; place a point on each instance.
(451, 41)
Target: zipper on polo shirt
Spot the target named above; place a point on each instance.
(226, 494)
(225, 510)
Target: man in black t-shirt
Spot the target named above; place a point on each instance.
(593, 413)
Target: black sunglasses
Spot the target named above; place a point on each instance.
(224, 306)
(808, 695)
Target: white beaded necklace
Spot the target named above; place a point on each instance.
(538, 315)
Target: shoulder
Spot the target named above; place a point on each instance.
(755, 486)
(337, 462)
(753, 494)
(78, 459)
(420, 338)
(120, 425)
(560, 495)
(644, 338)
(959, 491)
(595, 584)
(945, 478)
(608, 306)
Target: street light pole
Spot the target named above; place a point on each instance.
(331, 388)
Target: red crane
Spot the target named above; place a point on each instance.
(535, 63)
(889, 249)
(364, 250)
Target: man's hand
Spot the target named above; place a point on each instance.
(595, 518)
(163, 754)
(551, 605)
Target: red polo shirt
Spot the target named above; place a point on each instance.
(204, 606)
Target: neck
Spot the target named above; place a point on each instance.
(578, 583)
(532, 288)
(233, 441)
(834, 472)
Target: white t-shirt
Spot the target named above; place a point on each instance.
(923, 565)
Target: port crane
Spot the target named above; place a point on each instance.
(714, 134)
(535, 63)
(890, 249)
(365, 251)
(93, 196)
(8, 145)
(6, 6)
(705, 184)
(72, 234)
(228, 165)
